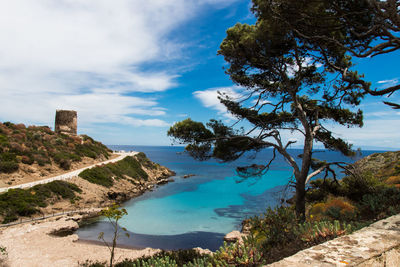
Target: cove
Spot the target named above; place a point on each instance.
(200, 210)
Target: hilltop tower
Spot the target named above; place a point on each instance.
(66, 122)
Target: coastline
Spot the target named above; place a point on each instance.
(33, 243)
(36, 245)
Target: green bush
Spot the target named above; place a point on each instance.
(356, 186)
(7, 156)
(248, 253)
(27, 159)
(164, 258)
(319, 232)
(320, 189)
(25, 202)
(8, 166)
(103, 175)
(146, 162)
(380, 204)
(275, 227)
(98, 175)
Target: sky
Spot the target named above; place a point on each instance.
(132, 68)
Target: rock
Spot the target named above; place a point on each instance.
(73, 238)
(63, 227)
(233, 236)
(188, 176)
(162, 181)
(203, 251)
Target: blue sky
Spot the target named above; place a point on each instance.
(132, 68)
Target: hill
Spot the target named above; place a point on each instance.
(32, 153)
(29, 153)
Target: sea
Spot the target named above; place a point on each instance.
(198, 211)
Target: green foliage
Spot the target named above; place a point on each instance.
(3, 250)
(129, 166)
(113, 213)
(98, 175)
(356, 186)
(146, 162)
(320, 189)
(8, 166)
(275, 228)
(282, 90)
(380, 204)
(41, 145)
(245, 254)
(164, 258)
(25, 202)
(321, 231)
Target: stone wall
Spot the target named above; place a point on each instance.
(66, 122)
(376, 245)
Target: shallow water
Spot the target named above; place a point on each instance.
(199, 210)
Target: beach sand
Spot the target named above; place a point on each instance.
(32, 244)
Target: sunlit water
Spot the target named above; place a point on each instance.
(199, 210)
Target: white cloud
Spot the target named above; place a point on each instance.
(209, 98)
(378, 133)
(87, 55)
(388, 83)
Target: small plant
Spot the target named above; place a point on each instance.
(320, 231)
(245, 254)
(113, 213)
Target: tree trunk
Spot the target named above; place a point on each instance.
(301, 198)
(114, 244)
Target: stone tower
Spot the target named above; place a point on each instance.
(66, 122)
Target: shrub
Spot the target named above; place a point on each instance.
(393, 180)
(382, 203)
(340, 209)
(320, 189)
(355, 186)
(334, 209)
(7, 156)
(27, 160)
(318, 232)
(25, 202)
(316, 212)
(8, 166)
(103, 175)
(98, 175)
(176, 258)
(275, 227)
(246, 253)
(144, 161)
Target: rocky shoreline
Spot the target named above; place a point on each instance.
(97, 196)
(52, 241)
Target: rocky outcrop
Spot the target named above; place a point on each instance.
(382, 165)
(94, 195)
(234, 236)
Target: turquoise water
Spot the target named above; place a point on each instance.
(195, 210)
(199, 210)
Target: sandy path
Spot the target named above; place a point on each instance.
(70, 174)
